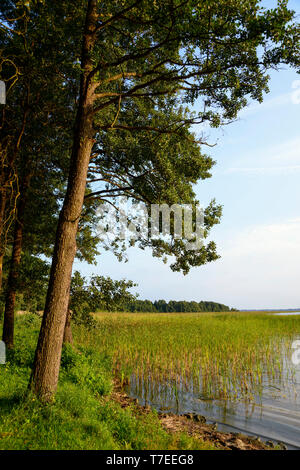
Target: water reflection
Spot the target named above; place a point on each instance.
(273, 414)
(286, 313)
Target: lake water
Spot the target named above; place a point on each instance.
(287, 313)
(274, 415)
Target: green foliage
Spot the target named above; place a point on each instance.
(31, 285)
(23, 354)
(174, 306)
(86, 371)
(101, 293)
(33, 282)
(110, 295)
(168, 55)
(80, 301)
(150, 63)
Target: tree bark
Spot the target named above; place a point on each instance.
(9, 312)
(6, 169)
(1, 271)
(68, 336)
(2, 243)
(45, 372)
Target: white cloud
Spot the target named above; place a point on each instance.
(283, 157)
(274, 238)
(260, 266)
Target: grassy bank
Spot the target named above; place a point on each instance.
(84, 415)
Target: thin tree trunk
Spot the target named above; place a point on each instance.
(2, 243)
(45, 372)
(68, 336)
(7, 165)
(1, 271)
(9, 313)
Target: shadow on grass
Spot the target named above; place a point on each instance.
(8, 404)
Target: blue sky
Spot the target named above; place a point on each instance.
(256, 179)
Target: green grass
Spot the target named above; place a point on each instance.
(83, 415)
(223, 355)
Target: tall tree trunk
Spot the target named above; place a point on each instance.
(68, 336)
(45, 372)
(9, 313)
(1, 270)
(6, 171)
(2, 242)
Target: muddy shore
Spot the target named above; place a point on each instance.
(196, 426)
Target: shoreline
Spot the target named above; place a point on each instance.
(195, 426)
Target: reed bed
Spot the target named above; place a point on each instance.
(217, 355)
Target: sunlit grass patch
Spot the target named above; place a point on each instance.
(222, 355)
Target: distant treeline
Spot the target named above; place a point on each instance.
(161, 306)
